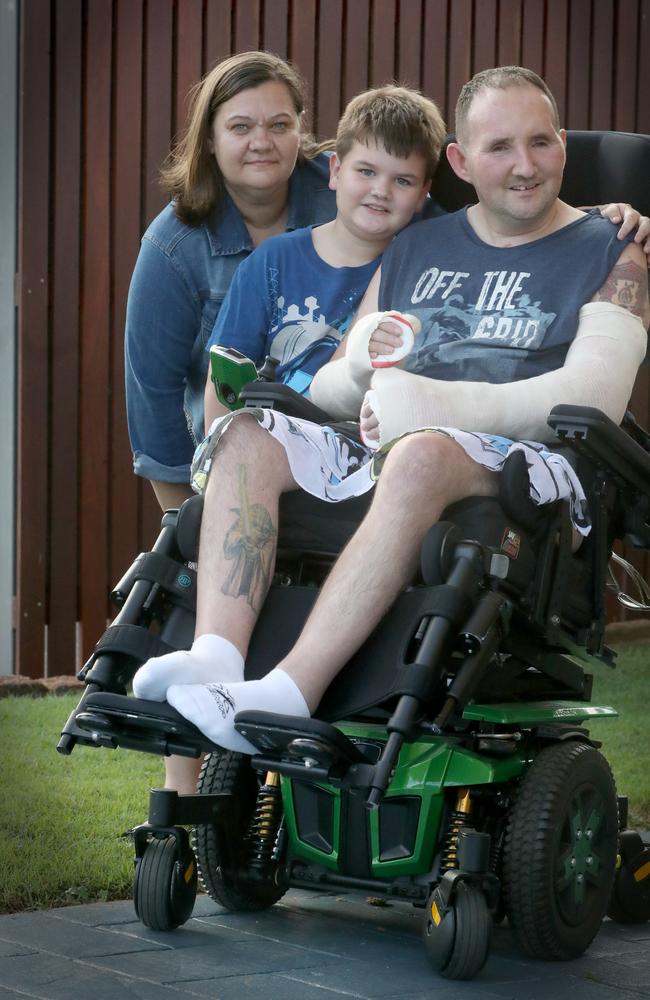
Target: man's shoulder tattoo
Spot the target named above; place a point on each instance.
(626, 285)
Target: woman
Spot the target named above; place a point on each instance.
(244, 170)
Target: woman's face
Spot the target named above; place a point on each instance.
(255, 139)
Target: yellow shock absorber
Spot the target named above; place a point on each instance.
(263, 829)
(457, 821)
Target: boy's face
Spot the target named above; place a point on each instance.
(377, 194)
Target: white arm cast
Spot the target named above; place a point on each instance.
(599, 370)
(339, 387)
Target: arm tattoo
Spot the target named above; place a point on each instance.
(250, 546)
(626, 285)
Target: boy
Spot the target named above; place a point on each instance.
(296, 296)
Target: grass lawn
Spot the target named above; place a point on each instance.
(61, 817)
(626, 740)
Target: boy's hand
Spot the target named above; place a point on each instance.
(630, 219)
(393, 339)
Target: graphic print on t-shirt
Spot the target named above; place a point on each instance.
(303, 339)
(503, 313)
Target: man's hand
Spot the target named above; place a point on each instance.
(368, 423)
(630, 219)
(387, 338)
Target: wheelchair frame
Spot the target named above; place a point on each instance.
(427, 798)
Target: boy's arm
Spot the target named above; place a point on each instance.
(243, 323)
(599, 370)
(340, 385)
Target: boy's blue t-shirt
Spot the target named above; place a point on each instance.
(284, 301)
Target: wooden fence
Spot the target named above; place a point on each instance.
(103, 89)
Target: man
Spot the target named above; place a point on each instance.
(519, 287)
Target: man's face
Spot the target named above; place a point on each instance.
(514, 157)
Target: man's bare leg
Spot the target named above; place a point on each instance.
(237, 558)
(422, 475)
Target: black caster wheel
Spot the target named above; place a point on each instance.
(457, 940)
(164, 885)
(560, 851)
(629, 902)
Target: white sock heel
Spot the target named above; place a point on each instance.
(211, 658)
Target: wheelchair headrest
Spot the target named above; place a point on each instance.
(600, 167)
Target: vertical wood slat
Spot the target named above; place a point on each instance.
(642, 123)
(383, 30)
(189, 56)
(327, 109)
(579, 62)
(460, 51)
(532, 35)
(63, 569)
(275, 27)
(355, 49)
(95, 325)
(302, 47)
(32, 354)
(218, 32)
(125, 234)
(484, 49)
(157, 103)
(248, 17)
(626, 65)
(435, 52)
(602, 55)
(509, 38)
(408, 70)
(555, 49)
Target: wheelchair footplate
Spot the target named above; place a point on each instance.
(113, 720)
(302, 748)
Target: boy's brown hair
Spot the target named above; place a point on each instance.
(402, 120)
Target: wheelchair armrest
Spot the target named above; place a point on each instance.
(277, 396)
(592, 434)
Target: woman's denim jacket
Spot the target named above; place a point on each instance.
(180, 279)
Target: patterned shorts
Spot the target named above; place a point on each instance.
(333, 466)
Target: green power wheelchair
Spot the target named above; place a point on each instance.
(450, 765)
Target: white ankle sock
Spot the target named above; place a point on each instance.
(211, 658)
(212, 707)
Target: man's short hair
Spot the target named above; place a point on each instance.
(499, 78)
(402, 120)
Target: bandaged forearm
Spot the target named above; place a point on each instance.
(599, 371)
(339, 387)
